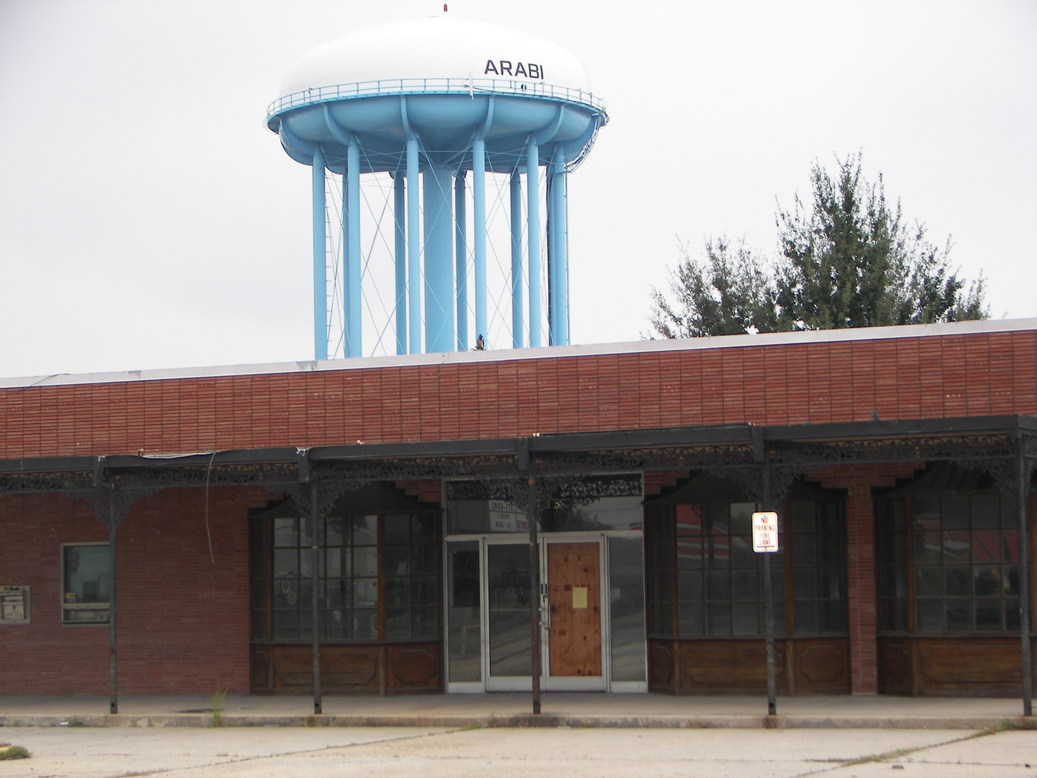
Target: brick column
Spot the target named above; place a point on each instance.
(861, 565)
(861, 595)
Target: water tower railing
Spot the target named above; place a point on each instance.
(411, 86)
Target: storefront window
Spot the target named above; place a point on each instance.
(719, 576)
(463, 611)
(377, 578)
(627, 608)
(949, 563)
(705, 580)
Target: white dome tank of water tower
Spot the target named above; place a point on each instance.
(464, 119)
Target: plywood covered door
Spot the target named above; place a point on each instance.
(574, 599)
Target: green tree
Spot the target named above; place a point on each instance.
(727, 294)
(847, 260)
(850, 260)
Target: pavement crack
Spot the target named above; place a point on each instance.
(277, 755)
(892, 756)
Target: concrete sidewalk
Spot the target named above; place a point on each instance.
(511, 710)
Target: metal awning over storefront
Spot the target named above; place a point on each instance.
(765, 460)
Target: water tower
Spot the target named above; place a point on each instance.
(455, 120)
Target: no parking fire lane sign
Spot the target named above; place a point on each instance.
(765, 532)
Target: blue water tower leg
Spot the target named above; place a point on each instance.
(516, 260)
(558, 256)
(353, 341)
(399, 218)
(479, 232)
(461, 262)
(533, 238)
(439, 260)
(320, 259)
(413, 248)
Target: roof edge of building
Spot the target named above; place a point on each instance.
(552, 352)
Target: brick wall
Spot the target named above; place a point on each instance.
(950, 375)
(183, 595)
(184, 608)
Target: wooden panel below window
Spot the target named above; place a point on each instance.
(895, 660)
(819, 666)
(950, 667)
(414, 668)
(728, 666)
(351, 669)
(739, 666)
(359, 669)
(661, 666)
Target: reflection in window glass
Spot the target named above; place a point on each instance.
(627, 609)
(720, 585)
(963, 561)
(463, 635)
(598, 503)
(508, 581)
(86, 583)
(354, 564)
(710, 578)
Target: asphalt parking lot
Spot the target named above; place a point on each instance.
(96, 752)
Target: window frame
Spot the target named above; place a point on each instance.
(421, 548)
(76, 612)
(909, 575)
(665, 576)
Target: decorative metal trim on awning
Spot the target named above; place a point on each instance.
(970, 442)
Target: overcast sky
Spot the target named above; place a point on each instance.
(148, 219)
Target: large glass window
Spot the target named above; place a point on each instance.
(817, 543)
(86, 583)
(377, 578)
(719, 576)
(627, 608)
(705, 580)
(949, 563)
(463, 611)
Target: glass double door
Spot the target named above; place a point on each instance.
(591, 602)
(571, 614)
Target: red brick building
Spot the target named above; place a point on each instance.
(183, 531)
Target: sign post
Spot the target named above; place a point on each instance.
(765, 541)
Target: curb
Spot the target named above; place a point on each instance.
(526, 720)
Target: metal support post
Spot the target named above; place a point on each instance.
(413, 247)
(320, 259)
(479, 236)
(460, 262)
(437, 183)
(533, 239)
(113, 665)
(517, 314)
(557, 259)
(768, 596)
(353, 341)
(313, 520)
(1022, 498)
(400, 217)
(532, 513)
